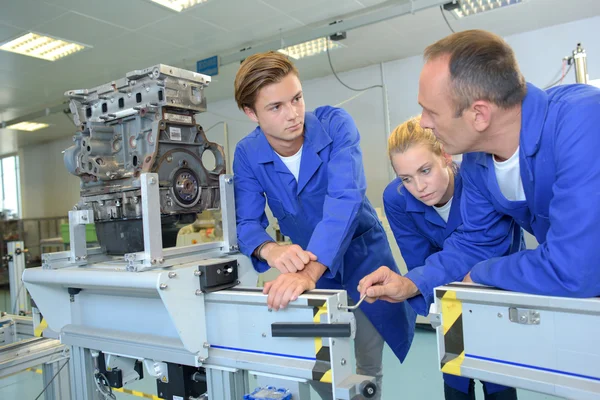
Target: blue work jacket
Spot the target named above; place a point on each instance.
(560, 172)
(420, 232)
(325, 212)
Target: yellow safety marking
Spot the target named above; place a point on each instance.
(137, 393)
(40, 328)
(37, 371)
(453, 367)
(451, 309)
(327, 377)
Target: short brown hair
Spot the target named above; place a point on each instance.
(482, 67)
(258, 71)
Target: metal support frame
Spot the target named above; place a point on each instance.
(226, 383)
(81, 369)
(153, 252)
(540, 343)
(18, 294)
(78, 219)
(228, 213)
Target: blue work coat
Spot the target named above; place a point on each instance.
(325, 212)
(560, 172)
(420, 232)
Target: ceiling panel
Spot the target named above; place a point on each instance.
(79, 28)
(27, 14)
(247, 13)
(184, 30)
(129, 14)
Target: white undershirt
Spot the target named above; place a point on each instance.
(444, 210)
(508, 174)
(293, 162)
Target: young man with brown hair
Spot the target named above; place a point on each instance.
(308, 167)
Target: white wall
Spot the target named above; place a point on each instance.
(49, 190)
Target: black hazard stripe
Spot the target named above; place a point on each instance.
(454, 343)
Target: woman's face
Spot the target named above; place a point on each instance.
(424, 174)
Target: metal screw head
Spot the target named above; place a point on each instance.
(201, 359)
(172, 275)
(77, 258)
(153, 261)
(229, 180)
(264, 335)
(161, 260)
(197, 273)
(499, 315)
(163, 286)
(84, 217)
(218, 272)
(152, 180)
(84, 257)
(169, 158)
(206, 345)
(198, 292)
(343, 362)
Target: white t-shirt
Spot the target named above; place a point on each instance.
(508, 174)
(293, 162)
(444, 210)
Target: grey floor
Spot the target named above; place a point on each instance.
(417, 378)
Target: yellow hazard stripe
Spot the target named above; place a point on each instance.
(40, 328)
(37, 371)
(451, 309)
(454, 347)
(137, 393)
(320, 350)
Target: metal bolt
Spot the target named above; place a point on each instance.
(161, 260)
(77, 258)
(370, 391)
(229, 180)
(206, 345)
(499, 315)
(218, 272)
(198, 292)
(197, 273)
(332, 342)
(84, 257)
(152, 180)
(118, 203)
(169, 203)
(163, 286)
(264, 335)
(523, 318)
(201, 359)
(343, 362)
(153, 261)
(169, 158)
(172, 275)
(84, 217)
(136, 200)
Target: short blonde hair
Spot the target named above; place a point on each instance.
(258, 71)
(410, 133)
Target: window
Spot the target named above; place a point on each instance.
(10, 196)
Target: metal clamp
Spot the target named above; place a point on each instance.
(525, 317)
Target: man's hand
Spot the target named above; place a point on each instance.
(468, 278)
(384, 284)
(287, 287)
(287, 258)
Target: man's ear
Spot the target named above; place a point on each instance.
(251, 114)
(481, 112)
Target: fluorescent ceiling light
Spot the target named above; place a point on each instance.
(27, 126)
(310, 48)
(464, 8)
(44, 47)
(179, 5)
